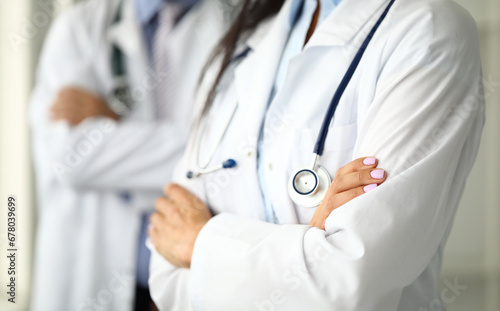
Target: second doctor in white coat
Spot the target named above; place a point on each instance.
(415, 102)
(88, 229)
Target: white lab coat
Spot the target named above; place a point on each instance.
(415, 102)
(88, 230)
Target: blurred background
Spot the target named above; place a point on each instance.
(472, 256)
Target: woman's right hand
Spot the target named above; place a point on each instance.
(351, 181)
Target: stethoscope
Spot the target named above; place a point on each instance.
(203, 167)
(120, 99)
(308, 186)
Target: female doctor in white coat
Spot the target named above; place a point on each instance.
(238, 238)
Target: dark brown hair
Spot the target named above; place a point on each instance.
(251, 14)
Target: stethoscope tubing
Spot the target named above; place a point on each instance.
(320, 142)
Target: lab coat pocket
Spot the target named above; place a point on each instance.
(339, 138)
(339, 147)
(338, 151)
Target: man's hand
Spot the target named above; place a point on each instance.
(175, 226)
(351, 181)
(75, 105)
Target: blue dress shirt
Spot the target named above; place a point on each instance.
(301, 14)
(147, 14)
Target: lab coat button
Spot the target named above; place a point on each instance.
(270, 166)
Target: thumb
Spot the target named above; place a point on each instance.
(182, 195)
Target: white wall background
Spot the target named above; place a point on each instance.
(15, 175)
(23, 25)
(473, 251)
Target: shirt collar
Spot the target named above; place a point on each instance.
(296, 8)
(147, 9)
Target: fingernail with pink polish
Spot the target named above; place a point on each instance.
(150, 227)
(369, 187)
(377, 174)
(369, 161)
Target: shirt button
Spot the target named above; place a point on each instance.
(250, 153)
(270, 166)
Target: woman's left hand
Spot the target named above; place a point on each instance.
(176, 224)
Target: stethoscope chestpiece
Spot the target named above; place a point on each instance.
(305, 182)
(307, 187)
(121, 100)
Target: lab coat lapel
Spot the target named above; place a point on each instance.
(255, 79)
(255, 75)
(126, 33)
(346, 21)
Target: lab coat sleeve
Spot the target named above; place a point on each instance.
(62, 63)
(123, 155)
(168, 284)
(162, 275)
(424, 125)
(98, 153)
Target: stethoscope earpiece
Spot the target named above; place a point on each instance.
(229, 163)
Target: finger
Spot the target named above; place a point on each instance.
(357, 179)
(64, 101)
(56, 115)
(335, 201)
(56, 104)
(346, 196)
(62, 112)
(358, 164)
(170, 211)
(70, 118)
(164, 206)
(65, 107)
(181, 195)
(66, 116)
(68, 92)
(69, 107)
(156, 220)
(154, 234)
(61, 106)
(71, 98)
